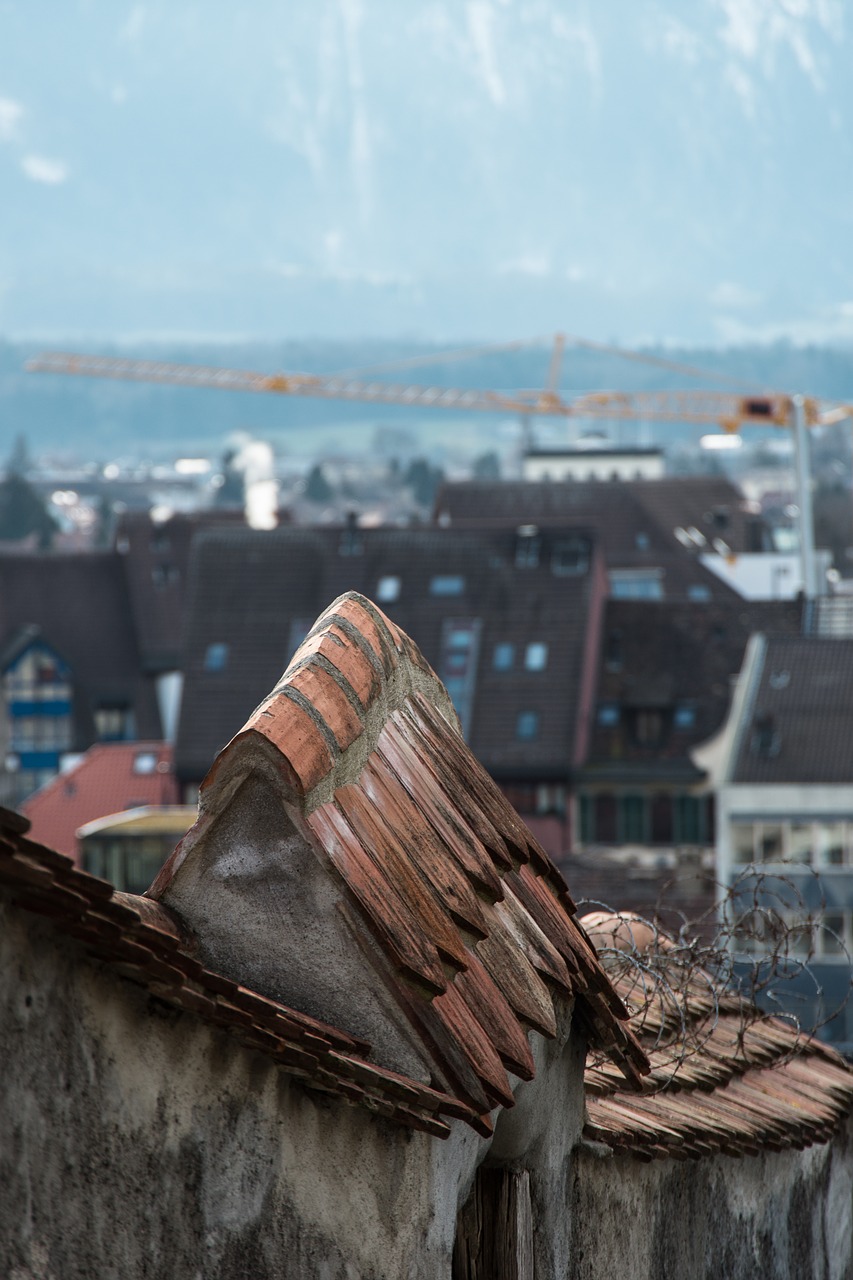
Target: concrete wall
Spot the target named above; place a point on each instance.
(786, 1216)
(135, 1141)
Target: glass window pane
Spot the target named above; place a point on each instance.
(503, 656)
(831, 843)
(742, 842)
(800, 841)
(770, 847)
(536, 657)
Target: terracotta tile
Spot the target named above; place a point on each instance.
(330, 702)
(297, 737)
(387, 844)
(385, 912)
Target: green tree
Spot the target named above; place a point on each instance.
(23, 512)
(423, 480)
(317, 487)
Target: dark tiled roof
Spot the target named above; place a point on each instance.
(727, 1079)
(659, 654)
(799, 725)
(156, 557)
(105, 781)
(618, 512)
(253, 591)
(79, 604)
(428, 852)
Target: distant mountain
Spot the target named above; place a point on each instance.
(644, 169)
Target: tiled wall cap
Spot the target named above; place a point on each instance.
(323, 718)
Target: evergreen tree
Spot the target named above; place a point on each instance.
(23, 512)
(317, 487)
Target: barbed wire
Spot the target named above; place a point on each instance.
(722, 985)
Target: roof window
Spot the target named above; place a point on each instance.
(684, 716)
(527, 726)
(503, 656)
(388, 589)
(536, 656)
(145, 762)
(636, 584)
(216, 656)
(447, 585)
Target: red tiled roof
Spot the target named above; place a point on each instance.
(105, 781)
(476, 931)
(729, 1079)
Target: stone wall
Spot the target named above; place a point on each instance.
(788, 1216)
(136, 1141)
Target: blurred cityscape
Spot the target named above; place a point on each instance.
(646, 653)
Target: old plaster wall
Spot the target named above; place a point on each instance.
(136, 1141)
(785, 1216)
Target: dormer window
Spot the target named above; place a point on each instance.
(570, 557)
(526, 546)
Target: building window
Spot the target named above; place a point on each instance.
(447, 585)
(536, 656)
(165, 575)
(527, 547)
(216, 656)
(114, 723)
(685, 716)
(388, 590)
(460, 645)
(570, 557)
(608, 715)
(648, 726)
(586, 819)
(503, 656)
(698, 592)
(144, 762)
(636, 584)
(527, 726)
(689, 820)
(632, 820)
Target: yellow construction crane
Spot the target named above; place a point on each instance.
(727, 409)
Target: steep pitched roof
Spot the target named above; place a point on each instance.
(155, 557)
(107, 779)
(619, 512)
(79, 603)
(258, 593)
(662, 654)
(800, 714)
(461, 911)
(725, 1078)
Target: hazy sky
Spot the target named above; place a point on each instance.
(448, 168)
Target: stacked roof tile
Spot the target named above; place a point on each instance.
(146, 943)
(475, 926)
(724, 1077)
(468, 921)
